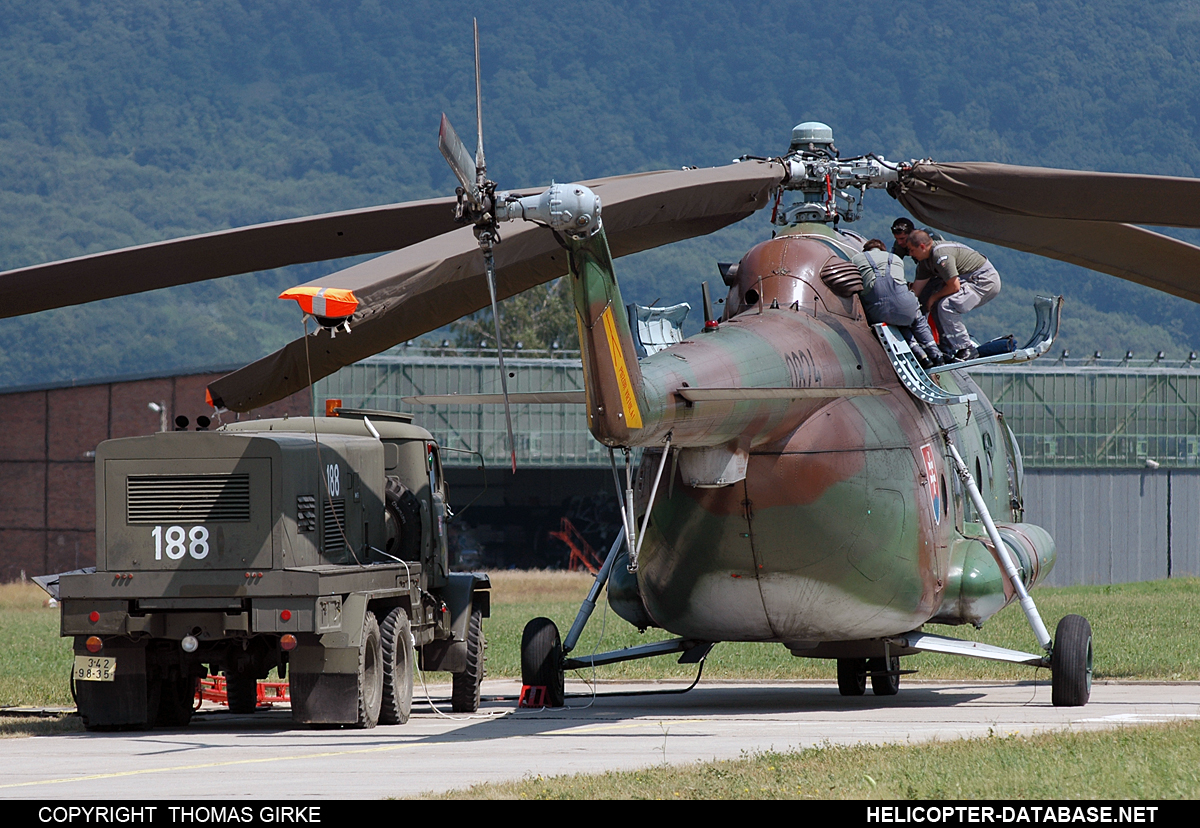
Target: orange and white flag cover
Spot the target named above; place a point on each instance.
(332, 303)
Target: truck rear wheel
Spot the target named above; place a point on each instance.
(241, 691)
(370, 674)
(396, 646)
(177, 698)
(464, 696)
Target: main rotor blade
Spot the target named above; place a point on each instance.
(410, 292)
(223, 253)
(1122, 250)
(1065, 194)
(480, 163)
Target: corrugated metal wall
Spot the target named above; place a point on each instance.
(1111, 417)
(553, 436)
(1114, 526)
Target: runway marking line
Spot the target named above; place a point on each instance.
(231, 762)
(325, 755)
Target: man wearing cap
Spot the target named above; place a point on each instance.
(901, 227)
(963, 279)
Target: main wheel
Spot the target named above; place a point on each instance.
(464, 697)
(370, 674)
(241, 691)
(884, 685)
(541, 660)
(397, 650)
(1071, 662)
(852, 676)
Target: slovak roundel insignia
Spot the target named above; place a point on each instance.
(935, 491)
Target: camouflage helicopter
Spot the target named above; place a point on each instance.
(823, 491)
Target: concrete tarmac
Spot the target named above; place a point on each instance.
(221, 757)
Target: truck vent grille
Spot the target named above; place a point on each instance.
(187, 498)
(306, 513)
(334, 525)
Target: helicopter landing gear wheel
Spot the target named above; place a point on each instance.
(464, 695)
(397, 651)
(884, 685)
(241, 691)
(370, 674)
(1071, 662)
(541, 660)
(852, 676)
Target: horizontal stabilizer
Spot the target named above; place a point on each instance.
(734, 394)
(526, 398)
(971, 649)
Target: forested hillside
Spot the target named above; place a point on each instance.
(128, 122)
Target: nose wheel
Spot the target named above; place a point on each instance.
(542, 665)
(1071, 662)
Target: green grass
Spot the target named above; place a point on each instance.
(1152, 762)
(35, 663)
(1144, 631)
(1141, 631)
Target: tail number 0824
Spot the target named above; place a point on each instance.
(177, 542)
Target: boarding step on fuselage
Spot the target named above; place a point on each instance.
(918, 381)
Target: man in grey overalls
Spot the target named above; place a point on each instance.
(963, 279)
(886, 298)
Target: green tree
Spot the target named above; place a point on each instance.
(535, 320)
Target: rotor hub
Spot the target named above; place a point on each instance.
(812, 136)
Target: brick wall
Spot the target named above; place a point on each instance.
(47, 471)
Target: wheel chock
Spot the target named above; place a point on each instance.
(532, 695)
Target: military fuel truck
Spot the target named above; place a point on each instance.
(315, 546)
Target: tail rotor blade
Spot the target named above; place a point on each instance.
(459, 158)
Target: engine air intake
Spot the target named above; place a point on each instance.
(842, 278)
(187, 498)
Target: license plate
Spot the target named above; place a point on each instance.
(95, 668)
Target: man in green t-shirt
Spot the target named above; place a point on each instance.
(962, 279)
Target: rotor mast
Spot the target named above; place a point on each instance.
(825, 181)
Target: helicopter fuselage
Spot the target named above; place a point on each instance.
(815, 520)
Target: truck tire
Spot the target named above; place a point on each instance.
(370, 673)
(241, 691)
(464, 696)
(403, 514)
(396, 635)
(177, 698)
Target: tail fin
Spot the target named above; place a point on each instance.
(612, 378)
